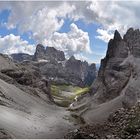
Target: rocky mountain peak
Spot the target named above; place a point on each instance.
(40, 47)
(131, 34)
(132, 39)
(50, 53)
(19, 57)
(72, 58)
(120, 67)
(117, 36)
(130, 30)
(118, 81)
(40, 52)
(56, 68)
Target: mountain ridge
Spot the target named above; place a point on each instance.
(53, 64)
(117, 83)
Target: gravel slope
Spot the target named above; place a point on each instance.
(27, 116)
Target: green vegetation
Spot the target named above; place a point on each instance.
(133, 125)
(81, 91)
(64, 94)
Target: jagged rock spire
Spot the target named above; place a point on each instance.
(40, 52)
(72, 58)
(117, 36)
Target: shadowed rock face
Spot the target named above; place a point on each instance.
(112, 74)
(71, 71)
(21, 57)
(83, 70)
(40, 52)
(25, 76)
(118, 82)
(120, 66)
(4, 134)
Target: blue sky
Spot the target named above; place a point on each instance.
(80, 28)
(97, 46)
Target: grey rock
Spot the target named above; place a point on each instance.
(53, 53)
(40, 52)
(50, 53)
(4, 134)
(118, 82)
(19, 57)
(114, 74)
(53, 65)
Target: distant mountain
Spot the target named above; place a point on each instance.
(56, 68)
(21, 57)
(50, 53)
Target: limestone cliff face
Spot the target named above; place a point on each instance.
(40, 52)
(71, 71)
(82, 70)
(118, 82)
(19, 57)
(49, 53)
(57, 69)
(112, 75)
(120, 66)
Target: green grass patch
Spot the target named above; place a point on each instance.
(82, 91)
(65, 94)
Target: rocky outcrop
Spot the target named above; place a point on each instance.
(19, 57)
(91, 75)
(53, 65)
(4, 134)
(120, 66)
(118, 81)
(85, 72)
(71, 71)
(49, 53)
(114, 76)
(122, 124)
(6, 62)
(26, 76)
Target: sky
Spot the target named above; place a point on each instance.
(79, 28)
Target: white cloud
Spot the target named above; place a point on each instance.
(14, 44)
(44, 19)
(113, 15)
(81, 57)
(73, 42)
(104, 35)
(41, 18)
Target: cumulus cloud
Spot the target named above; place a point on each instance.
(81, 57)
(114, 15)
(111, 15)
(45, 22)
(44, 19)
(73, 42)
(104, 35)
(14, 44)
(18, 13)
